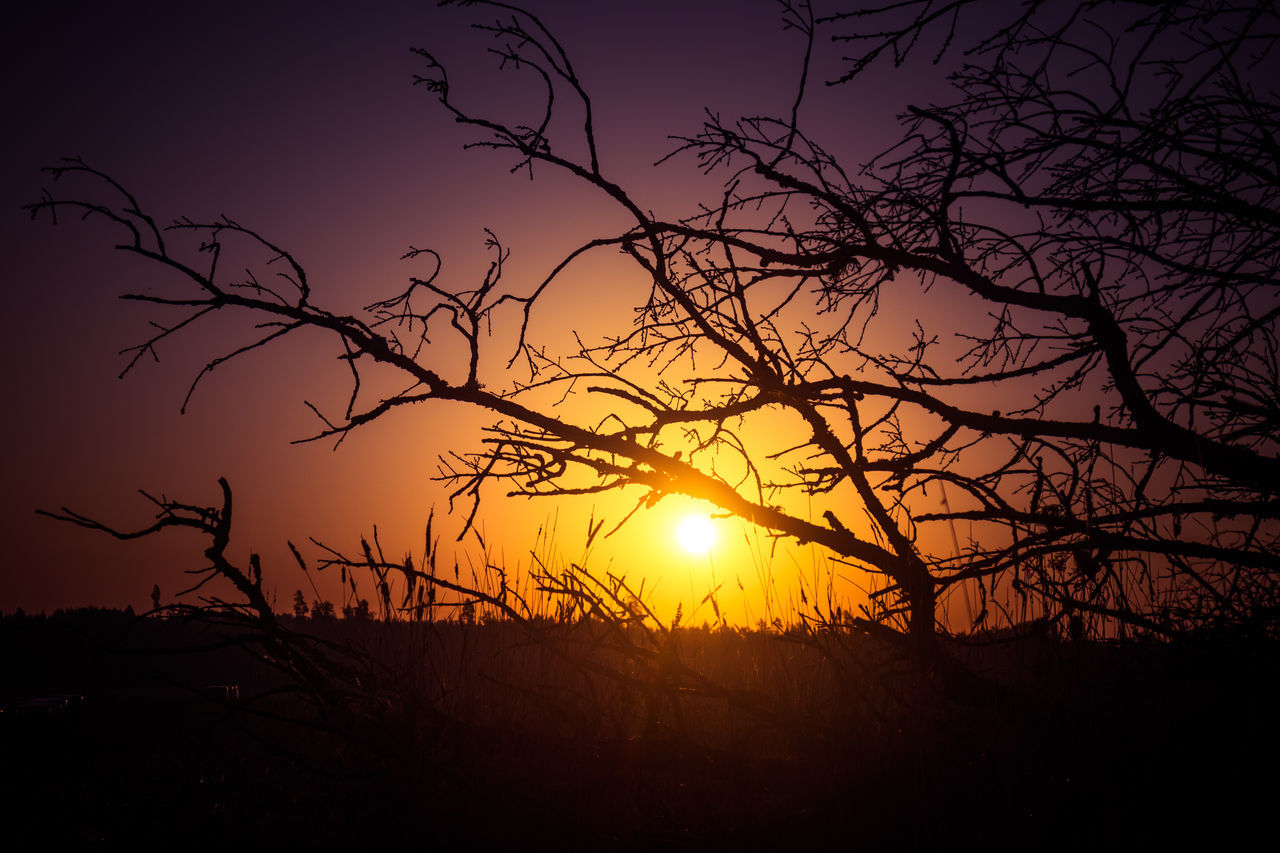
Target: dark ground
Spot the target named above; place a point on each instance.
(1083, 746)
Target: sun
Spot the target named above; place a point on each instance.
(696, 534)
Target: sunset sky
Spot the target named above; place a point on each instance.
(300, 120)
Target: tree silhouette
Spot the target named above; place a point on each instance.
(1097, 196)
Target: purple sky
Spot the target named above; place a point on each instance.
(300, 121)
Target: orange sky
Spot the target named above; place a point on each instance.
(303, 124)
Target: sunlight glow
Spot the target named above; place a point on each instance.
(696, 534)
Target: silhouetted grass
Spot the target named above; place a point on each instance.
(493, 734)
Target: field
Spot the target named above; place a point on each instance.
(461, 736)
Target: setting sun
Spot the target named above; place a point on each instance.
(696, 534)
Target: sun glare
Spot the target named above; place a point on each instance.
(696, 534)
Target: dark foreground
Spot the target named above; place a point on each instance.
(829, 743)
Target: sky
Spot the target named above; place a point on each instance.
(300, 120)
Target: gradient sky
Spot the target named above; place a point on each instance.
(299, 120)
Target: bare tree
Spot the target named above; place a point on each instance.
(1103, 182)
(1106, 182)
